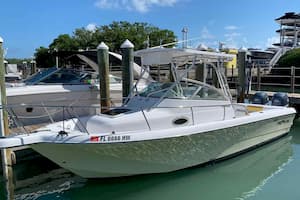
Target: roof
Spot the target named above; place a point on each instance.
(289, 19)
(161, 56)
(289, 15)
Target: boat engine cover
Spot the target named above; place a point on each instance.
(280, 99)
(260, 98)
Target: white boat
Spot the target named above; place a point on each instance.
(167, 127)
(52, 87)
(40, 93)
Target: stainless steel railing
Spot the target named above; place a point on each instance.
(30, 123)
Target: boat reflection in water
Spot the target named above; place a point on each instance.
(237, 178)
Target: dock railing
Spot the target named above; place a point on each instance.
(283, 79)
(35, 120)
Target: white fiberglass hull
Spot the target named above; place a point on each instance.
(98, 160)
(46, 102)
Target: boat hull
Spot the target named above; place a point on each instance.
(163, 155)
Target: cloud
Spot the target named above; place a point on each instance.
(91, 27)
(106, 4)
(232, 35)
(231, 39)
(205, 34)
(231, 28)
(272, 40)
(141, 6)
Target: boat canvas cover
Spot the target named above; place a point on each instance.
(163, 56)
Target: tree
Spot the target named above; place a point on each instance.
(113, 35)
(117, 32)
(44, 58)
(64, 42)
(291, 58)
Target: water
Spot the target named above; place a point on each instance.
(268, 173)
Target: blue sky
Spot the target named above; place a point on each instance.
(28, 24)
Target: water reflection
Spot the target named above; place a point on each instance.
(296, 131)
(237, 178)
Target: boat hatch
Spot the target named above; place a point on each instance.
(116, 111)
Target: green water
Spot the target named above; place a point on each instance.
(271, 172)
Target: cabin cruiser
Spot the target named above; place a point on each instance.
(166, 127)
(56, 86)
(65, 87)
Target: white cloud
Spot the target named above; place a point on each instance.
(231, 28)
(142, 6)
(232, 39)
(272, 40)
(232, 35)
(107, 4)
(205, 34)
(91, 27)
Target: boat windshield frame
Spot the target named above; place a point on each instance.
(186, 60)
(185, 89)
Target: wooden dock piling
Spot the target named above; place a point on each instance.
(5, 153)
(103, 63)
(241, 61)
(33, 66)
(201, 72)
(127, 70)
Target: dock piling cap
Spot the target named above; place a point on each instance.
(102, 45)
(243, 49)
(1, 39)
(127, 44)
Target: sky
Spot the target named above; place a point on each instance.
(26, 25)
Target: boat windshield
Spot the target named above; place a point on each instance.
(184, 89)
(55, 75)
(35, 78)
(58, 76)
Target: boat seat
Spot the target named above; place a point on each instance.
(251, 108)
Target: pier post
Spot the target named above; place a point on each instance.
(293, 79)
(24, 71)
(33, 66)
(215, 81)
(171, 75)
(5, 153)
(127, 66)
(200, 72)
(241, 61)
(103, 64)
(258, 77)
